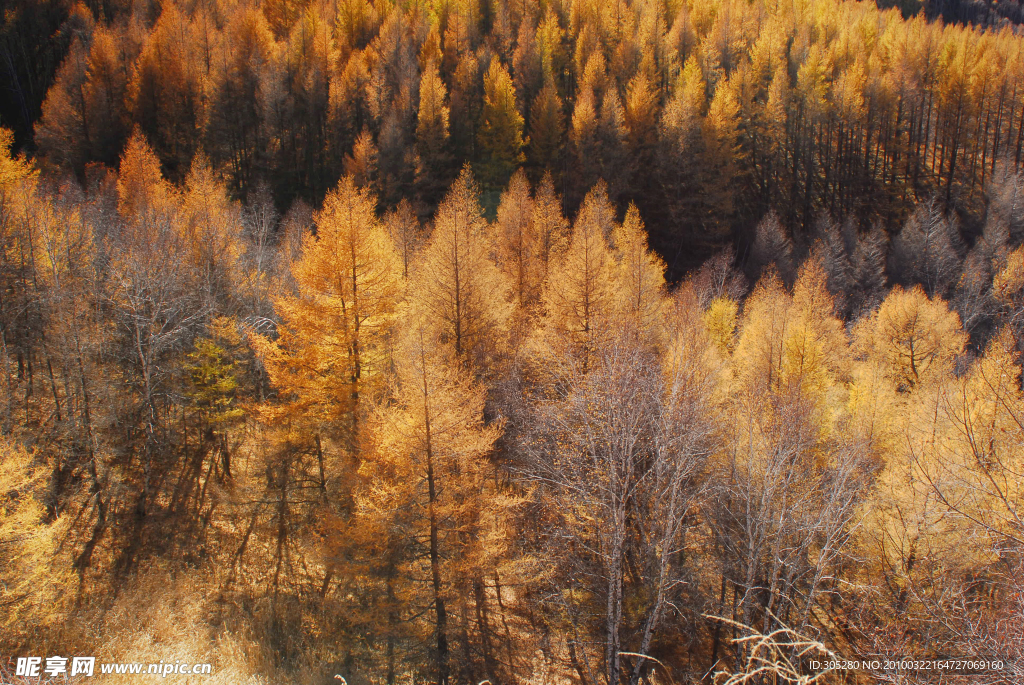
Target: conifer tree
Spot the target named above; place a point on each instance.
(141, 188)
(432, 486)
(550, 37)
(640, 115)
(641, 280)
(466, 100)
(547, 131)
(616, 165)
(332, 342)
(526, 64)
(760, 351)
(720, 139)
(166, 90)
(518, 242)
(548, 222)
(816, 349)
(433, 157)
(500, 137)
(106, 95)
(583, 135)
(405, 232)
(772, 248)
(680, 146)
(912, 337)
(455, 286)
(63, 129)
(210, 228)
(579, 296)
(927, 250)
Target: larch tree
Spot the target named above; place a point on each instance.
(681, 145)
(332, 343)
(760, 350)
(817, 354)
(720, 138)
(105, 93)
(210, 228)
(641, 279)
(787, 480)
(579, 296)
(583, 138)
(244, 99)
(927, 250)
(640, 113)
(772, 248)
(432, 490)
(616, 165)
(433, 156)
(141, 188)
(550, 37)
(461, 292)
(978, 473)
(500, 136)
(912, 337)
(466, 100)
(63, 129)
(406, 234)
(517, 242)
(547, 130)
(329, 357)
(166, 90)
(526, 65)
(549, 224)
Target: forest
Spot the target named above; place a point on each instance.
(513, 341)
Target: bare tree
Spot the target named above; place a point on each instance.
(928, 250)
(772, 246)
(621, 454)
(782, 515)
(157, 309)
(259, 220)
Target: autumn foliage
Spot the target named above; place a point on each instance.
(459, 342)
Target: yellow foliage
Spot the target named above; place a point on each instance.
(978, 468)
(36, 583)
(816, 348)
(1008, 283)
(580, 289)
(720, 319)
(640, 279)
(141, 187)
(913, 337)
(518, 249)
(428, 476)
(209, 224)
(333, 338)
(760, 352)
(455, 287)
(873, 410)
(13, 170)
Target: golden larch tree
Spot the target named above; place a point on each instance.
(580, 296)
(454, 283)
